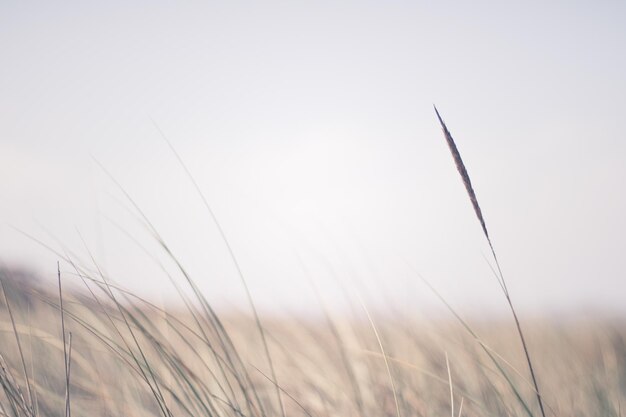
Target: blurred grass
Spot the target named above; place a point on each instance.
(104, 351)
(132, 358)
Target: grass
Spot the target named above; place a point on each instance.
(159, 362)
(103, 351)
(458, 161)
(130, 357)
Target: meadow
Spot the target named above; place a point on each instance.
(102, 351)
(128, 357)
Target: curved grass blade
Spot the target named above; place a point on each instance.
(460, 166)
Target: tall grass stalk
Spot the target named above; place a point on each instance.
(460, 166)
(30, 407)
(66, 357)
(382, 351)
(235, 261)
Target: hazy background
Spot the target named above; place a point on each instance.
(310, 129)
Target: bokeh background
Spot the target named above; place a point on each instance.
(309, 128)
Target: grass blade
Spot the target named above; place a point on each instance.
(235, 261)
(19, 347)
(65, 356)
(460, 166)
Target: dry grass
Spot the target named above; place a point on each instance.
(106, 352)
(460, 166)
(134, 359)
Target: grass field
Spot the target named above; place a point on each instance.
(131, 358)
(102, 351)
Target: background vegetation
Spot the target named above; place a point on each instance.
(132, 358)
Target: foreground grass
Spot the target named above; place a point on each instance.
(130, 358)
(122, 355)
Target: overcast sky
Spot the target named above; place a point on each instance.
(309, 128)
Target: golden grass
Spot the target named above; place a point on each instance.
(161, 363)
(106, 352)
(460, 166)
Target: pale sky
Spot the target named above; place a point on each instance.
(309, 128)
